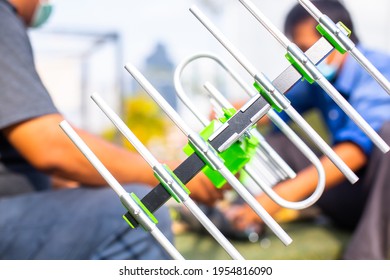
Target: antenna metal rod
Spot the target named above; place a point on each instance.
(267, 85)
(301, 146)
(345, 43)
(172, 114)
(131, 205)
(317, 76)
(211, 157)
(167, 178)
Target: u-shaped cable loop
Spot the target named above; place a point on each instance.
(274, 97)
(306, 151)
(282, 170)
(290, 134)
(179, 87)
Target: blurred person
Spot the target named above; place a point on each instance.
(362, 207)
(75, 222)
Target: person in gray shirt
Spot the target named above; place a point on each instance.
(36, 221)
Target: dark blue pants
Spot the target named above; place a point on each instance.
(362, 207)
(83, 223)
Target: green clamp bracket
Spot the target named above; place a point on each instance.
(227, 114)
(332, 38)
(300, 68)
(168, 187)
(267, 97)
(143, 207)
(235, 157)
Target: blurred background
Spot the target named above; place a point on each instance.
(86, 43)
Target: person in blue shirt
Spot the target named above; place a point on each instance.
(361, 207)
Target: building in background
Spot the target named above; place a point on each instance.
(158, 67)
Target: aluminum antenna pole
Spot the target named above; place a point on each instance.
(280, 99)
(344, 43)
(166, 178)
(127, 200)
(307, 67)
(209, 155)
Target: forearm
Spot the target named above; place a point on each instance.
(125, 166)
(41, 142)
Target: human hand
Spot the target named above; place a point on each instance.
(203, 191)
(61, 183)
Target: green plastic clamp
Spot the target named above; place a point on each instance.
(298, 65)
(167, 187)
(127, 221)
(189, 149)
(330, 37)
(227, 114)
(235, 157)
(143, 207)
(267, 97)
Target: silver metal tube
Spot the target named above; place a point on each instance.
(271, 170)
(172, 251)
(172, 114)
(151, 160)
(86, 151)
(260, 167)
(322, 145)
(313, 10)
(374, 72)
(279, 166)
(268, 170)
(159, 169)
(210, 156)
(213, 159)
(221, 38)
(266, 23)
(269, 167)
(303, 148)
(150, 226)
(355, 116)
(273, 155)
(260, 182)
(254, 204)
(316, 163)
(273, 158)
(181, 93)
(268, 173)
(337, 31)
(337, 97)
(318, 77)
(276, 94)
(142, 218)
(212, 229)
(217, 95)
(299, 205)
(347, 43)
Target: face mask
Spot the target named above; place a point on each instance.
(328, 70)
(42, 13)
